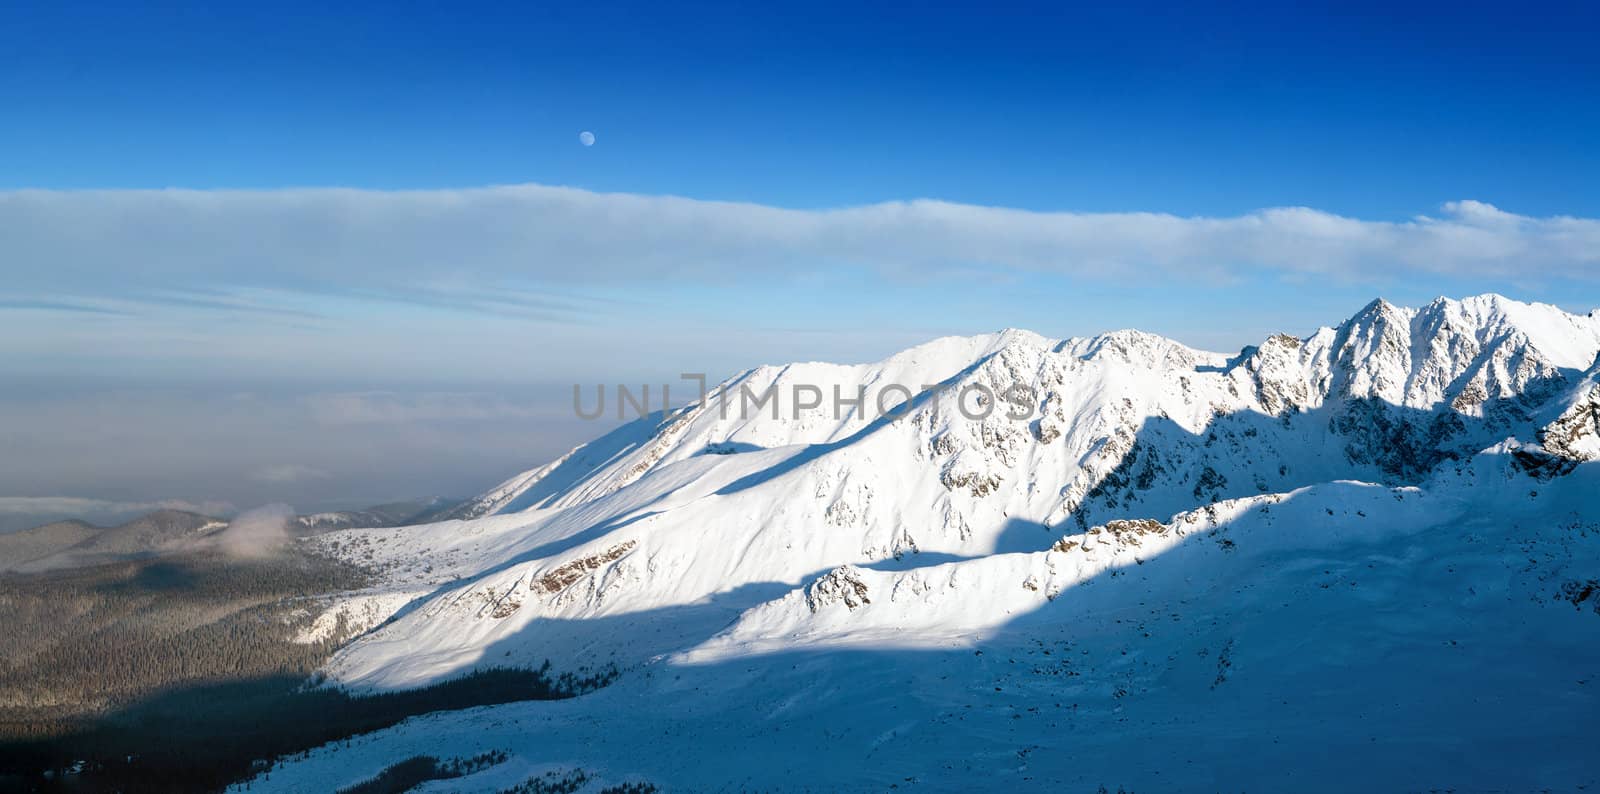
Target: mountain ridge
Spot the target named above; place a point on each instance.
(1216, 502)
(1136, 424)
(1495, 338)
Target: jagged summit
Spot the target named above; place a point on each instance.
(1473, 355)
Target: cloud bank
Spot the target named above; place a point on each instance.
(456, 247)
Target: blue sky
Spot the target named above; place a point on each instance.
(1213, 109)
(1087, 167)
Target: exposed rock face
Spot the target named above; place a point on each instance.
(842, 585)
(1119, 533)
(969, 471)
(558, 579)
(1576, 434)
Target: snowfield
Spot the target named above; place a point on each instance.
(1365, 558)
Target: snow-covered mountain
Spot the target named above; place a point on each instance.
(1089, 561)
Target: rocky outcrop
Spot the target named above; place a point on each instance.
(560, 577)
(842, 585)
(1576, 434)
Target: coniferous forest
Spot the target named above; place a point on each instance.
(133, 675)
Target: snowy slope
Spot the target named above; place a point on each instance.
(1412, 640)
(790, 583)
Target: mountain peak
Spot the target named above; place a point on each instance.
(1137, 476)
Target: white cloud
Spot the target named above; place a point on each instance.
(256, 533)
(454, 247)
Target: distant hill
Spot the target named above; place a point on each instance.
(67, 544)
(393, 514)
(17, 548)
(73, 543)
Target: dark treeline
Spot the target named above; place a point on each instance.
(571, 782)
(182, 674)
(412, 772)
(80, 642)
(202, 738)
(415, 771)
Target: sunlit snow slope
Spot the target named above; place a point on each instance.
(1374, 548)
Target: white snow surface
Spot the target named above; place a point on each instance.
(1351, 559)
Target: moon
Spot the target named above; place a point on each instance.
(586, 138)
